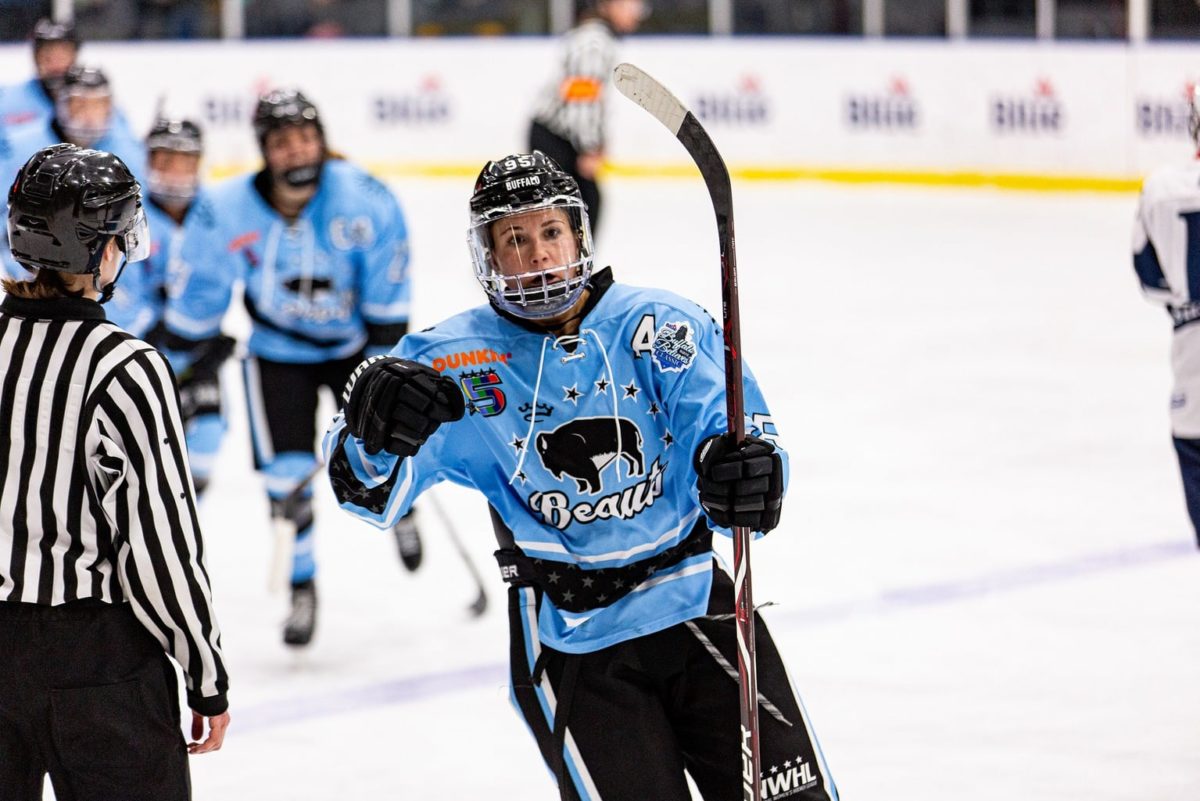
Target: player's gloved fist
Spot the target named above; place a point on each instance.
(199, 395)
(740, 486)
(395, 405)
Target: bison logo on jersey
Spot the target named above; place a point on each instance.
(583, 448)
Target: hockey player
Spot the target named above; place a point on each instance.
(569, 124)
(174, 148)
(55, 46)
(84, 115)
(103, 572)
(1166, 258)
(590, 414)
(321, 249)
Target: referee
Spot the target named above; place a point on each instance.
(101, 558)
(568, 125)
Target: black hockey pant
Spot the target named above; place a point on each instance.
(566, 156)
(1188, 451)
(625, 722)
(88, 696)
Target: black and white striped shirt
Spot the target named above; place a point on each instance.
(572, 105)
(96, 498)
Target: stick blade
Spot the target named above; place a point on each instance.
(651, 95)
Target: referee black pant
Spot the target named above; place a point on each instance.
(566, 156)
(88, 696)
(625, 722)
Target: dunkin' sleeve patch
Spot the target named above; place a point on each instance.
(674, 349)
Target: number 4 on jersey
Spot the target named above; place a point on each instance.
(643, 336)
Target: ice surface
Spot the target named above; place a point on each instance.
(985, 582)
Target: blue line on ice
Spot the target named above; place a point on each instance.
(420, 688)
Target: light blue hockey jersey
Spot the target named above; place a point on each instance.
(586, 453)
(23, 104)
(140, 298)
(16, 146)
(314, 288)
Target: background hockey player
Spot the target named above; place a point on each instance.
(1166, 252)
(104, 561)
(595, 430)
(84, 115)
(173, 150)
(55, 46)
(569, 125)
(321, 248)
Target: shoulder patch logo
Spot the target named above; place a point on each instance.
(349, 233)
(674, 349)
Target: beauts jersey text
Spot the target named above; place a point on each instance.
(582, 444)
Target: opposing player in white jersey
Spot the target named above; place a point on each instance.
(1166, 257)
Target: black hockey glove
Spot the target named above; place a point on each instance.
(395, 405)
(199, 385)
(740, 486)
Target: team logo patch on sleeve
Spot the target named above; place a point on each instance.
(674, 350)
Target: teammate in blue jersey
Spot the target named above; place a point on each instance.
(591, 415)
(174, 148)
(321, 249)
(55, 46)
(84, 115)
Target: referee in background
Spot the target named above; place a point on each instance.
(568, 125)
(101, 559)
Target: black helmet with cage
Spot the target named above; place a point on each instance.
(505, 190)
(281, 108)
(86, 82)
(67, 203)
(174, 135)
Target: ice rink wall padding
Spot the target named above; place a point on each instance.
(1024, 115)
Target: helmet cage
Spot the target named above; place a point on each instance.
(173, 136)
(532, 294)
(82, 82)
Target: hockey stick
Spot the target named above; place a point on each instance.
(285, 540)
(666, 108)
(479, 605)
(283, 529)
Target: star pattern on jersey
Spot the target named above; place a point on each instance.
(602, 386)
(574, 588)
(774, 768)
(572, 394)
(522, 477)
(517, 443)
(667, 439)
(653, 410)
(631, 391)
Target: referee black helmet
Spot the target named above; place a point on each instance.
(67, 203)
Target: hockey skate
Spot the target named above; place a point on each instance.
(408, 541)
(298, 628)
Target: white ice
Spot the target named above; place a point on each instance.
(986, 585)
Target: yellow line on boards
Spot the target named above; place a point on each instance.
(1026, 182)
